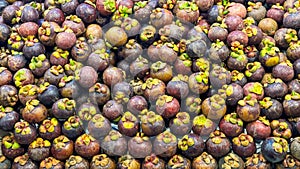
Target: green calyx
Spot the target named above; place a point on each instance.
(87, 113)
(188, 6)
(6, 109)
(98, 120)
(158, 66)
(128, 120)
(121, 97)
(9, 142)
(57, 70)
(152, 159)
(202, 121)
(140, 138)
(99, 88)
(66, 104)
(31, 104)
(238, 55)
(40, 143)
(30, 40)
(253, 5)
(59, 53)
(163, 99)
(19, 77)
(147, 33)
(44, 86)
(217, 101)
(194, 104)
(218, 44)
(242, 140)
(202, 64)
(140, 4)
(233, 119)
(217, 136)
(22, 128)
(229, 90)
(250, 31)
(167, 137)
(186, 59)
(280, 145)
(202, 77)
(48, 125)
(251, 68)
(266, 103)
(264, 120)
(236, 75)
(114, 135)
(110, 5)
(257, 88)
(85, 139)
(73, 65)
(64, 80)
(185, 142)
(151, 117)
(129, 23)
(181, 77)
(150, 82)
(21, 160)
(293, 96)
(73, 18)
(28, 90)
(182, 118)
(101, 160)
(291, 36)
(269, 50)
(37, 62)
(247, 101)
(231, 161)
(72, 122)
(102, 54)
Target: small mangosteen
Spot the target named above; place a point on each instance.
(165, 144)
(244, 145)
(114, 144)
(10, 147)
(62, 148)
(218, 145)
(72, 128)
(181, 124)
(99, 126)
(231, 125)
(151, 124)
(50, 129)
(128, 124)
(39, 149)
(51, 162)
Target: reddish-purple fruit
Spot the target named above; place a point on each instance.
(178, 161)
(50, 129)
(10, 147)
(76, 161)
(152, 124)
(128, 124)
(167, 106)
(34, 112)
(191, 145)
(51, 162)
(102, 161)
(62, 148)
(72, 128)
(181, 124)
(243, 145)
(218, 145)
(259, 129)
(140, 146)
(165, 144)
(8, 118)
(87, 77)
(205, 160)
(231, 125)
(99, 126)
(153, 162)
(114, 144)
(87, 146)
(24, 133)
(24, 161)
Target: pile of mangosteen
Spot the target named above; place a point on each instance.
(154, 84)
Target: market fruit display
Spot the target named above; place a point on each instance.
(151, 84)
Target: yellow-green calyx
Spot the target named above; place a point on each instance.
(101, 160)
(19, 77)
(30, 40)
(177, 161)
(40, 143)
(150, 82)
(102, 54)
(255, 159)
(253, 5)
(257, 88)
(22, 160)
(163, 99)
(72, 122)
(64, 80)
(202, 64)
(87, 113)
(98, 120)
(247, 101)
(266, 103)
(140, 4)
(31, 104)
(113, 136)
(272, 52)
(290, 162)
(81, 46)
(128, 161)
(128, 120)
(59, 53)
(216, 101)
(140, 138)
(227, 90)
(186, 59)
(148, 32)
(250, 31)
(48, 125)
(15, 40)
(218, 44)
(217, 137)
(206, 158)
(121, 97)
(268, 79)
(219, 72)
(85, 139)
(150, 117)
(129, 23)
(233, 119)
(182, 118)
(251, 68)
(264, 120)
(280, 145)
(231, 161)
(181, 77)
(158, 66)
(49, 162)
(60, 141)
(44, 86)
(242, 140)
(37, 61)
(293, 96)
(131, 44)
(294, 45)
(188, 6)
(99, 88)
(185, 142)
(57, 70)
(237, 51)
(167, 137)
(291, 35)
(202, 121)
(4, 110)
(22, 128)
(73, 18)
(28, 90)
(45, 31)
(73, 65)
(9, 142)
(236, 75)
(281, 129)
(202, 77)
(73, 160)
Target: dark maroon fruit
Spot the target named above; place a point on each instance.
(50, 129)
(9, 14)
(128, 124)
(99, 126)
(99, 60)
(51, 162)
(218, 145)
(178, 161)
(24, 161)
(136, 104)
(205, 160)
(122, 92)
(75, 24)
(162, 71)
(191, 145)
(284, 71)
(81, 51)
(55, 15)
(289, 162)
(290, 20)
(72, 66)
(254, 89)
(39, 149)
(102, 161)
(160, 17)
(28, 92)
(183, 64)
(39, 65)
(274, 88)
(114, 144)
(59, 57)
(66, 39)
(276, 12)
(34, 112)
(6, 76)
(153, 162)
(231, 125)
(218, 51)
(186, 11)
(271, 108)
(47, 33)
(62, 148)
(219, 76)
(9, 95)
(231, 160)
(237, 59)
(54, 74)
(274, 149)
(167, 106)
(5, 32)
(165, 144)
(139, 67)
(24, 132)
(33, 47)
(244, 145)
(48, 94)
(238, 77)
(16, 61)
(75, 161)
(151, 124)
(28, 29)
(291, 105)
(256, 10)
(10, 147)
(217, 31)
(87, 146)
(153, 88)
(140, 146)
(99, 93)
(254, 71)
(113, 110)
(248, 109)
(294, 148)
(68, 87)
(259, 129)
(72, 127)
(181, 124)
(8, 118)
(284, 36)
